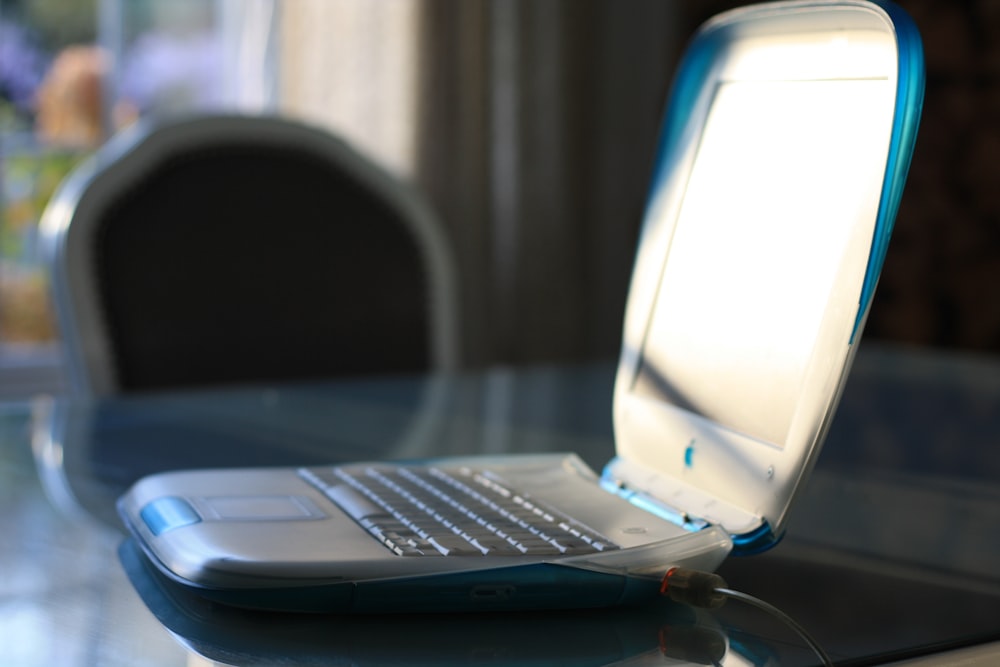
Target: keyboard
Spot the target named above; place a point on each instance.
(431, 511)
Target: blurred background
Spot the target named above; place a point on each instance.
(530, 125)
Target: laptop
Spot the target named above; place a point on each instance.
(779, 171)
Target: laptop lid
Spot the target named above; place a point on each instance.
(779, 173)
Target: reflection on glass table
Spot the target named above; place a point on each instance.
(667, 634)
(889, 553)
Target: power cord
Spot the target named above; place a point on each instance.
(710, 591)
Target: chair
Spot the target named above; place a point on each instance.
(224, 250)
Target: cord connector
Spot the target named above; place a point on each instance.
(694, 587)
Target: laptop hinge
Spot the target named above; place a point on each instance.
(652, 505)
(646, 489)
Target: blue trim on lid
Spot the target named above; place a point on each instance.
(909, 105)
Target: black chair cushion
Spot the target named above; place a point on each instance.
(234, 264)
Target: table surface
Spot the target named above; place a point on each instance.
(890, 555)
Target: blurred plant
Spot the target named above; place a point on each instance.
(22, 66)
(26, 316)
(29, 177)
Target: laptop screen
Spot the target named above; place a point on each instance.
(757, 246)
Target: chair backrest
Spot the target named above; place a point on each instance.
(232, 249)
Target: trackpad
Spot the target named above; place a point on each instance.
(257, 508)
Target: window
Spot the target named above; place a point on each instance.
(70, 75)
(42, 63)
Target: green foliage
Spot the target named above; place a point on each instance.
(60, 23)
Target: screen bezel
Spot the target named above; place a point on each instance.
(814, 41)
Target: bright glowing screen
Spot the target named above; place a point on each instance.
(782, 173)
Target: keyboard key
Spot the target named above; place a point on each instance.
(453, 545)
(352, 502)
(495, 546)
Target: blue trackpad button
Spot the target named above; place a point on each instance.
(167, 513)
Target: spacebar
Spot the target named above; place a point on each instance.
(353, 503)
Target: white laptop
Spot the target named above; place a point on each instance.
(779, 172)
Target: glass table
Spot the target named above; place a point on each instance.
(890, 554)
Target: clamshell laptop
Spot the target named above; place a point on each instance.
(779, 171)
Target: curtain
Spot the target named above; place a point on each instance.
(537, 122)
